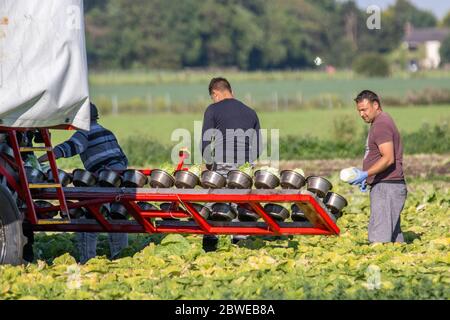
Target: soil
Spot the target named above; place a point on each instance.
(418, 166)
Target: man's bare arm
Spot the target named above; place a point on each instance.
(386, 160)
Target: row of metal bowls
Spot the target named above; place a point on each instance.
(108, 178)
(226, 212)
(83, 178)
(219, 212)
(185, 179)
(115, 210)
(238, 180)
(209, 179)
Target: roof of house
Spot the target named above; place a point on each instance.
(427, 34)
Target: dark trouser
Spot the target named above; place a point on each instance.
(386, 204)
(223, 169)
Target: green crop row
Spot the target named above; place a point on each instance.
(300, 267)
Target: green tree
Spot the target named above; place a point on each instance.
(446, 20)
(445, 50)
(371, 65)
(404, 11)
(393, 23)
(248, 34)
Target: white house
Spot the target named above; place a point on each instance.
(430, 39)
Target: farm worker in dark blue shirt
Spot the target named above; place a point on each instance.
(230, 137)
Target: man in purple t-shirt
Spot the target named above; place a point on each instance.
(382, 170)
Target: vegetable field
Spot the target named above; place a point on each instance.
(300, 267)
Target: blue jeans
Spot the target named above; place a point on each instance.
(87, 241)
(87, 244)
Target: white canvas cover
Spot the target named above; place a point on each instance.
(43, 69)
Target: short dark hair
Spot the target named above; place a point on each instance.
(94, 112)
(369, 95)
(220, 84)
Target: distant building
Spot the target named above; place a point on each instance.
(430, 40)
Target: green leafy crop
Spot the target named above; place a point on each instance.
(175, 266)
(246, 168)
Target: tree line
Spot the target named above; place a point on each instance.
(246, 34)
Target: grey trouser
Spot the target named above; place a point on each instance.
(87, 241)
(386, 204)
(223, 169)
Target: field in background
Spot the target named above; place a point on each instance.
(276, 90)
(316, 123)
(144, 108)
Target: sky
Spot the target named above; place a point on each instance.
(438, 7)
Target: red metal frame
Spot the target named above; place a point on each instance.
(321, 221)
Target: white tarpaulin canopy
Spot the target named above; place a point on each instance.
(43, 69)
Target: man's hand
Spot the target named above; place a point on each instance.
(43, 158)
(361, 177)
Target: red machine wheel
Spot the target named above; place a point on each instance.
(12, 239)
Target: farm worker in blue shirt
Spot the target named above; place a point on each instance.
(98, 149)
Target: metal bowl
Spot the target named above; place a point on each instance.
(76, 213)
(266, 180)
(335, 202)
(145, 206)
(118, 211)
(338, 215)
(48, 214)
(34, 175)
(64, 178)
(161, 179)
(133, 179)
(292, 180)
(276, 211)
(83, 178)
(297, 213)
(109, 178)
(104, 211)
(212, 180)
(202, 210)
(246, 213)
(222, 212)
(3, 137)
(4, 148)
(185, 179)
(167, 207)
(318, 185)
(239, 180)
